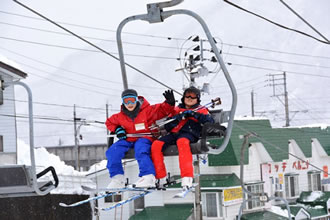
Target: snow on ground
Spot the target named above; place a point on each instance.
(70, 180)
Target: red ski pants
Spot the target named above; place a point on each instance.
(185, 158)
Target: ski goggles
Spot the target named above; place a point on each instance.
(190, 97)
(129, 99)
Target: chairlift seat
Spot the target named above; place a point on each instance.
(17, 181)
(203, 144)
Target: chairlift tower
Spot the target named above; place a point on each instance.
(194, 64)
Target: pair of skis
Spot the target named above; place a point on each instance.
(110, 192)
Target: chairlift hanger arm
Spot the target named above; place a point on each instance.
(156, 14)
(31, 139)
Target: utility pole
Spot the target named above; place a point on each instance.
(252, 103)
(75, 137)
(198, 206)
(110, 140)
(286, 100)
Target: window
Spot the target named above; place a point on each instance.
(138, 204)
(1, 91)
(211, 205)
(255, 203)
(113, 198)
(278, 187)
(291, 185)
(314, 181)
(1, 143)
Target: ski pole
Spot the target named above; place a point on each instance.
(212, 104)
(134, 135)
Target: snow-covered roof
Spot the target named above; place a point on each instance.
(11, 68)
(322, 126)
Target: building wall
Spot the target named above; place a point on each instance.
(260, 168)
(8, 123)
(88, 155)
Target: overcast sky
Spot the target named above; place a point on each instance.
(63, 71)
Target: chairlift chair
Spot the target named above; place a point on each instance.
(156, 14)
(22, 180)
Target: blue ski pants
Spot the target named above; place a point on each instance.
(116, 153)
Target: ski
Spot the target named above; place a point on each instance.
(184, 192)
(123, 202)
(130, 188)
(88, 200)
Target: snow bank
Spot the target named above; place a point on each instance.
(70, 180)
(44, 159)
(313, 196)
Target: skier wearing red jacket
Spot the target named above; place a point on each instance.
(185, 129)
(136, 116)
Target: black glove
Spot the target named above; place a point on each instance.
(169, 96)
(190, 113)
(121, 133)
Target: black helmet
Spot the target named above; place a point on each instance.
(127, 92)
(194, 90)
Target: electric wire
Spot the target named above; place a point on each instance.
(240, 46)
(228, 63)
(95, 46)
(301, 18)
(277, 24)
(89, 76)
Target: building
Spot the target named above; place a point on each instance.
(8, 131)
(89, 154)
(282, 162)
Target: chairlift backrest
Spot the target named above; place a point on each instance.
(202, 146)
(156, 14)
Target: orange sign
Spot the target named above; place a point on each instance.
(325, 171)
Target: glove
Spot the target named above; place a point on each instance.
(178, 117)
(121, 133)
(169, 96)
(190, 113)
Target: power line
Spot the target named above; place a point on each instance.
(278, 61)
(74, 80)
(229, 63)
(38, 117)
(175, 38)
(277, 24)
(85, 50)
(61, 105)
(93, 38)
(89, 76)
(94, 28)
(314, 29)
(278, 70)
(93, 45)
(160, 57)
